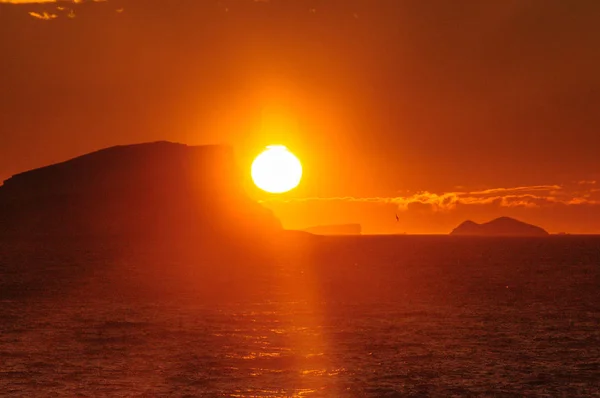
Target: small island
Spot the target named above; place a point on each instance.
(336, 229)
(503, 226)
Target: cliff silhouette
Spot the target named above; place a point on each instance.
(503, 226)
(162, 189)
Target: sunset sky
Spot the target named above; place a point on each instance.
(438, 111)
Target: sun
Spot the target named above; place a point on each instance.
(276, 170)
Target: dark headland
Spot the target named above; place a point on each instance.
(503, 226)
(154, 190)
(153, 219)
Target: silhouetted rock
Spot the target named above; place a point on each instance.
(337, 229)
(166, 190)
(503, 226)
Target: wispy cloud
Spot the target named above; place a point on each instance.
(44, 15)
(62, 7)
(523, 196)
(47, 1)
(534, 188)
(29, 1)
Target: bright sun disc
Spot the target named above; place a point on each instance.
(276, 170)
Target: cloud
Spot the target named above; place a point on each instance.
(518, 189)
(46, 1)
(523, 196)
(48, 16)
(44, 16)
(27, 1)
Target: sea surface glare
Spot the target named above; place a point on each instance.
(368, 316)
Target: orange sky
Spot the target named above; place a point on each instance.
(438, 110)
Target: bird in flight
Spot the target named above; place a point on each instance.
(397, 218)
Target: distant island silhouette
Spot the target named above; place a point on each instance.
(503, 226)
(161, 189)
(335, 229)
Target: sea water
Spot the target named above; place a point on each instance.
(368, 316)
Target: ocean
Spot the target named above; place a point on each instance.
(355, 316)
